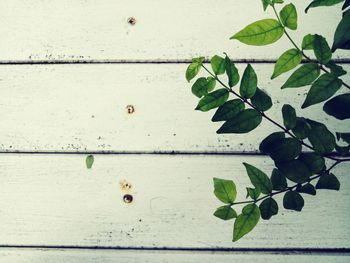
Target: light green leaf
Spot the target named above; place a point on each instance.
(225, 212)
(289, 116)
(322, 89)
(266, 3)
(322, 50)
(338, 107)
(228, 110)
(89, 161)
(268, 208)
(307, 189)
(293, 201)
(213, 100)
(202, 86)
(304, 75)
(316, 3)
(232, 72)
(322, 140)
(225, 190)
(278, 180)
(246, 221)
(261, 100)
(328, 181)
(308, 42)
(218, 65)
(287, 61)
(258, 178)
(313, 161)
(295, 170)
(249, 82)
(342, 35)
(253, 193)
(262, 32)
(245, 121)
(194, 68)
(289, 16)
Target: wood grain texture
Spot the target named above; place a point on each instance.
(53, 200)
(93, 256)
(80, 108)
(98, 30)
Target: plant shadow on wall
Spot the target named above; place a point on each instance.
(296, 172)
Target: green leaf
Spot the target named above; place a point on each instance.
(232, 72)
(313, 161)
(308, 42)
(342, 35)
(295, 170)
(261, 100)
(287, 61)
(289, 116)
(246, 221)
(283, 149)
(335, 69)
(344, 136)
(249, 82)
(266, 143)
(260, 33)
(304, 75)
(328, 181)
(302, 128)
(322, 89)
(289, 16)
(322, 50)
(293, 201)
(228, 110)
(342, 150)
(279, 181)
(218, 65)
(258, 178)
(245, 121)
(202, 86)
(225, 190)
(338, 107)
(307, 189)
(194, 68)
(225, 212)
(89, 161)
(253, 193)
(322, 140)
(213, 100)
(346, 4)
(268, 208)
(316, 3)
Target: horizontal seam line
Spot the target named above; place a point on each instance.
(292, 250)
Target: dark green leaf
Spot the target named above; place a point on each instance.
(228, 110)
(302, 128)
(285, 149)
(307, 189)
(232, 72)
(262, 32)
(258, 178)
(265, 145)
(328, 181)
(245, 121)
(89, 161)
(295, 170)
(218, 65)
(202, 86)
(316, 3)
(308, 42)
(293, 201)
(322, 89)
(335, 69)
(225, 212)
(225, 190)
(193, 68)
(261, 100)
(287, 61)
(213, 100)
(279, 181)
(344, 136)
(253, 193)
(313, 161)
(322, 50)
(289, 116)
(322, 140)
(246, 221)
(346, 4)
(268, 208)
(338, 107)
(342, 33)
(342, 150)
(303, 76)
(289, 16)
(249, 82)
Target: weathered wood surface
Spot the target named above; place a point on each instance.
(128, 256)
(79, 108)
(53, 200)
(164, 30)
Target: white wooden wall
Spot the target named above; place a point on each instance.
(68, 70)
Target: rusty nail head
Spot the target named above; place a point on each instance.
(132, 20)
(127, 198)
(130, 109)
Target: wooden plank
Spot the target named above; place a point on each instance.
(90, 256)
(83, 108)
(99, 30)
(53, 200)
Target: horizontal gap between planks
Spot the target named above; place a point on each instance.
(307, 251)
(121, 61)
